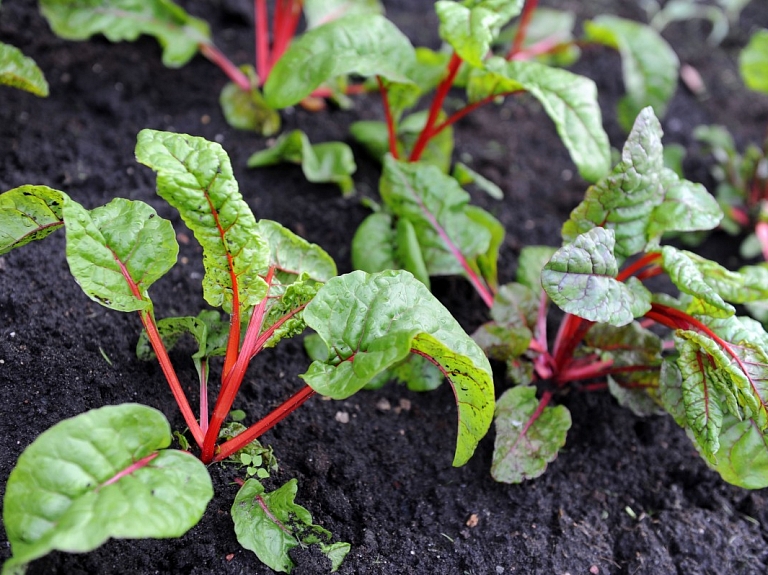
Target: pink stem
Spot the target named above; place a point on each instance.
(143, 462)
(233, 72)
(761, 231)
(388, 116)
(261, 39)
(522, 28)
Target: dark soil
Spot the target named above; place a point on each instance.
(626, 495)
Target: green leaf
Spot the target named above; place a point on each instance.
(318, 12)
(487, 262)
(753, 62)
(271, 524)
(248, 110)
(546, 25)
(526, 439)
(744, 448)
(466, 175)
(19, 71)
(365, 45)
(649, 65)
(514, 313)
(29, 213)
(581, 279)
(386, 316)
(438, 209)
(439, 147)
(374, 244)
(686, 207)
(331, 162)
(471, 26)
(195, 176)
(625, 200)
(690, 273)
(293, 256)
(171, 330)
(373, 136)
(409, 251)
(569, 100)
(530, 264)
(179, 34)
(116, 251)
(105, 473)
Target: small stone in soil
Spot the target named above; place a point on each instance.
(342, 417)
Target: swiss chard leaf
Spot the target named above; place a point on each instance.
(326, 162)
(366, 45)
(530, 263)
(466, 175)
(527, 437)
(387, 316)
(248, 110)
(20, 71)
(318, 12)
(105, 473)
(195, 176)
(649, 65)
(29, 213)
(178, 33)
(471, 26)
(743, 456)
(690, 274)
(271, 524)
(753, 62)
(625, 200)
(569, 100)
(116, 251)
(581, 279)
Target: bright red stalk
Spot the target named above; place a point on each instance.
(261, 39)
(434, 111)
(522, 27)
(265, 424)
(390, 121)
(285, 27)
(458, 115)
(225, 64)
(637, 265)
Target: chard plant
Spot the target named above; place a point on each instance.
(272, 284)
(702, 363)
(20, 71)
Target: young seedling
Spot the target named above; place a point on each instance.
(272, 284)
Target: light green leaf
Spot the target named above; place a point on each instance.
(179, 34)
(743, 456)
(649, 65)
(271, 524)
(526, 441)
(530, 263)
(487, 263)
(29, 213)
(105, 473)
(439, 147)
(581, 279)
(117, 251)
(374, 244)
(248, 110)
(365, 45)
(409, 251)
(686, 207)
(318, 12)
(753, 62)
(331, 162)
(386, 316)
(471, 26)
(625, 200)
(195, 176)
(21, 72)
(466, 175)
(690, 272)
(569, 100)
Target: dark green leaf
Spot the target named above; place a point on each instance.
(21, 72)
(105, 473)
(28, 213)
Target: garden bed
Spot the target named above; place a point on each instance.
(626, 495)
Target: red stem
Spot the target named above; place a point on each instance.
(204, 395)
(388, 116)
(225, 64)
(637, 265)
(572, 330)
(458, 115)
(276, 416)
(522, 27)
(261, 39)
(285, 28)
(437, 103)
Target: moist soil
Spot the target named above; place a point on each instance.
(626, 495)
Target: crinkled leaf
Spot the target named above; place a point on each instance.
(530, 263)
(318, 12)
(195, 176)
(331, 162)
(471, 26)
(581, 279)
(248, 110)
(515, 305)
(743, 456)
(105, 473)
(178, 33)
(20, 71)
(624, 201)
(437, 207)
(686, 207)
(116, 251)
(271, 524)
(466, 175)
(366, 45)
(385, 317)
(569, 100)
(514, 314)
(691, 274)
(285, 313)
(636, 399)
(373, 245)
(526, 439)
(753, 62)
(649, 65)
(29, 213)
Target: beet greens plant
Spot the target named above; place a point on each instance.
(272, 284)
